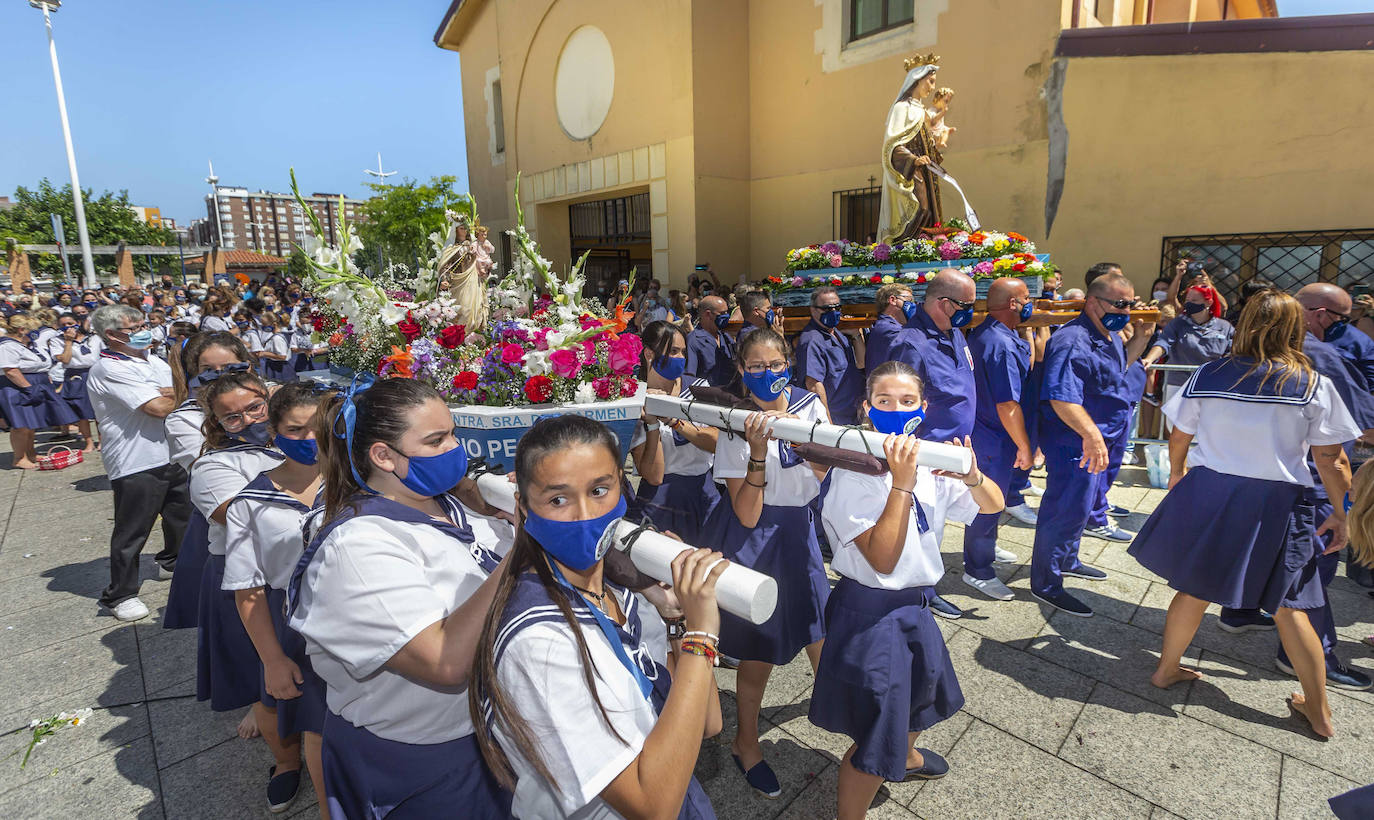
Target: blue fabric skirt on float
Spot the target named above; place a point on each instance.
(75, 395)
(884, 672)
(306, 712)
(183, 599)
(681, 505)
(228, 673)
(36, 406)
(1241, 542)
(782, 545)
(367, 776)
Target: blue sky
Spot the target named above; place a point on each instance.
(156, 87)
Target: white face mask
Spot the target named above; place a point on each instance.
(1160, 295)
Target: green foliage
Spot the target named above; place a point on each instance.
(298, 264)
(398, 219)
(108, 220)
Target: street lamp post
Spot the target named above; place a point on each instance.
(87, 263)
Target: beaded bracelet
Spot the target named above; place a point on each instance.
(698, 648)
(714, 638)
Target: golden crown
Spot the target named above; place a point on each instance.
(920, 60)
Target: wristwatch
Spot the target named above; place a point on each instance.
(677, 627)
(649, 428)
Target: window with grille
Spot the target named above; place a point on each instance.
(869, 17)
(1289, 260)
(856, 214)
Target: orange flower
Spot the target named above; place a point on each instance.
(335, 339)
(1016, 237)
(402, 363)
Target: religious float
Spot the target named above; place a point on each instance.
(502, 352)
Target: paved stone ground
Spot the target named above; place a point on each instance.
(1060, 721)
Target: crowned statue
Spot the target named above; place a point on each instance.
(462, 266)
(913, 143)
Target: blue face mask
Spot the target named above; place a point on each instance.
(830, 319)
(767, 385)
(577, 545)
(1336, 331)
(722, 320)
(959, 318)
(898, 422)
(1115, 321)
(435, 475)
(769, 317)
(909, 309)
(141, 340)
(670, 367)
(299, 450)
(241, 325)
(1195, 307)
(255, 433)
(1026, 310)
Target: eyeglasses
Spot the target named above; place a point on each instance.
(771, 367)
(236, 421)
(1119, 304)
(827, 308)
(135, 328)
(1345, 316)
(957, 303)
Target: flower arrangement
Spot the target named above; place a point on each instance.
(542, 342)
(958, 243)
(1015, 264)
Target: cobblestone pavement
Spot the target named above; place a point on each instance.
(1060, 720)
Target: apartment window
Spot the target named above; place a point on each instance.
(856, 213)
(499, 117)
(868, 17)
(1288, 260)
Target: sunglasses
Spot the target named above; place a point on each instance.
(828, 308)
(957, 303)
(1119, 304)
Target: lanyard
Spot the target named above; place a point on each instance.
(609, 630)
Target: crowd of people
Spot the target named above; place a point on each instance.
(415, 649)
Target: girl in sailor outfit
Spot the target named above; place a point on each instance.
(884, 675)
(390, 595)
(766, 522)
(275, 348)
(1253, 544)
(74, 351)
(263, 545)
(27, 398)
(235, 428)
(673, 457)
(570, 703)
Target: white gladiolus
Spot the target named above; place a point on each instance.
(392, 313)
(537, 363)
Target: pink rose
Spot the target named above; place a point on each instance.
(565, 363)
(541, 339)
(623, 354)
(512, 353)
(589, 352)
(835, 260)
(602, 387)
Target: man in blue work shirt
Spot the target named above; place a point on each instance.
(1085, 403)
(894, 306)
(933, 344)
(1000, 438)
(1352, 343)
(756, 309)
(710, 350)
(1321, 316)
(825, 359)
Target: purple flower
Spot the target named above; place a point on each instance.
(830, 248)
(882, 252)
(949, 250)
(983, 267)
(797, 281)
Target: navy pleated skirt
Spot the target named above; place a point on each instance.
(306, 712)
(369, 777)
(1356, 804)
(884, 672)
(280, 372)
(35, 407)
(183, 599)
(75, 395)
(1240, 542)
(681, 504)
(782, 545)
(228, 673)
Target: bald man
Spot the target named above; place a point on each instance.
(1329, 306)
(1000, 436)
(710, 350)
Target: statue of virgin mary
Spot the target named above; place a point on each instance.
(911, 193)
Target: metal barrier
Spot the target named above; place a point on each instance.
(1135, 417)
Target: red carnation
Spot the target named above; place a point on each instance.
(452, 336)
(835, 280)
(628, 387)
(539, 389)
(409, 327)
(318, 323)
(875, 279)
(467, 380)
(1019, 266)
(921, 279)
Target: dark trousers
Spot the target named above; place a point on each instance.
(1116, 452)
(1070, 492)
(995, 452)
(138, 500)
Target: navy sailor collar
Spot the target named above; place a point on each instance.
(261, 488)
(1242, 379)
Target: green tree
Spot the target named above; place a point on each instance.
(297, 266)
(398, 219)
(109, 219)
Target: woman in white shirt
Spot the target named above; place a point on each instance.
(275, 349)
(76, 351)
(1238, 528)
(263, 544)
(27, 399)
(204, 358)
(572, 706)
(390, 595)
(676, 488)
(884, 675)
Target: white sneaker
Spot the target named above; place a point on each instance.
(991, 587)
(163, 574)
(130, 609)
(1023, 513)
(1002, 556)
(1033, 490)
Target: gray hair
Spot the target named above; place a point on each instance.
(111, 317)
(824, 290)
(1106, 283)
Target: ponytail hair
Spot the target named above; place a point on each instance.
(381, 413)
(216, 437)
(485, 693)
(1361, 516)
